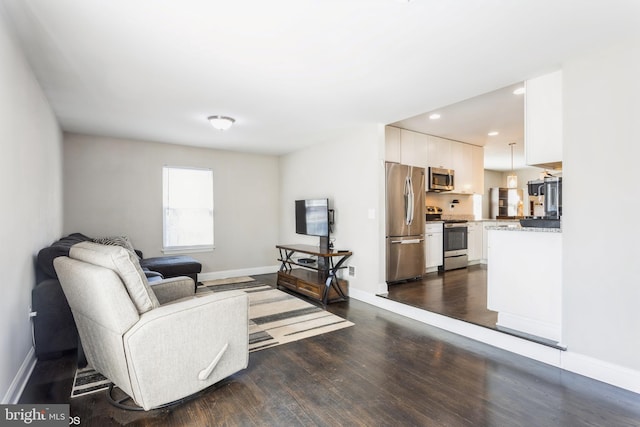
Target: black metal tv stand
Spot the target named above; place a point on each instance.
(317, 281)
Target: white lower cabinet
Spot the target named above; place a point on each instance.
(485, 239)
(474, 242)
(433, 249)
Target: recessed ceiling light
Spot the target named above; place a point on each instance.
(221, 122)
(434, 116)
(493, 133)
(519, 91)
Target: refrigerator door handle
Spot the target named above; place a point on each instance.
(408, 200)
(407, 242)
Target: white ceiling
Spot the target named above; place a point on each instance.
(291, 72)
(471, 121)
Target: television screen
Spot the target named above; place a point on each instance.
(312, 217)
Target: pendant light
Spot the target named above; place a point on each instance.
(512, 180)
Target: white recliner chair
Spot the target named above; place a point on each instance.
(159, 343)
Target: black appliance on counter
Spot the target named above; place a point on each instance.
(434, 213)
(550, 189)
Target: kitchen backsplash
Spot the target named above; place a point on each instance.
(459, 217)
(464, 209)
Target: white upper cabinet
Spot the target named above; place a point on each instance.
(439, 152)
(461, 164)
(467, 162)
(413, 148)
(543, 121)
(419, 149)
(477, 166)
(392, 144)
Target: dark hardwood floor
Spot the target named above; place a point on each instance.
(461, 294)
(387, 370)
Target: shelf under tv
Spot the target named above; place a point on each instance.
(317, 281)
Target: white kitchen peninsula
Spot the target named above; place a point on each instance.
(524, 280)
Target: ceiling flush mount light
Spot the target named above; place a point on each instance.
(512, 180)
(493, 133)
(434, 116)
(221, 122)
(519, 91)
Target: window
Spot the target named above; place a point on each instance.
(187, 209)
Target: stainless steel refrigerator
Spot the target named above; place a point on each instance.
(405, 214)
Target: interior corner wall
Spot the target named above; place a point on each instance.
(601, 272)
(31, 194)
(114, 187)
(347, 169)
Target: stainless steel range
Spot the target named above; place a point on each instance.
(455, 244)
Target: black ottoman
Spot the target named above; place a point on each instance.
(173, 266)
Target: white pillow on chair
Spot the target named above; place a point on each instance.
(125, 264)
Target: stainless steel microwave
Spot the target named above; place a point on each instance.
(440, 179)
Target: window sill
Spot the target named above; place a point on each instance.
(187, 250)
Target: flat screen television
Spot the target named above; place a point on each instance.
(313, 218)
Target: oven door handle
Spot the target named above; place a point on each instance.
(455, 226)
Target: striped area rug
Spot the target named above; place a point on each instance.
(87, 381)
(275, 318)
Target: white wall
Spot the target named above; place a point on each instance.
(601, 273)
(348, 170)
(114, 187)
(31, 194)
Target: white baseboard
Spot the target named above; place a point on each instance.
(214, 275)
(12, 396)
(619, 376)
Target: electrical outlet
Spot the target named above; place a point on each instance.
(352, 271)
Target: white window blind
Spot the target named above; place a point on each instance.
(187, 209)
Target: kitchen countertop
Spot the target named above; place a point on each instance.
(478, 220)
(497, 220)
(527, 229)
